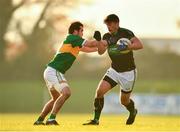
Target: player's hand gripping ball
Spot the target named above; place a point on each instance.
(122, 44)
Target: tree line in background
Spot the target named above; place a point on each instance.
(35, 49)
(28, 30)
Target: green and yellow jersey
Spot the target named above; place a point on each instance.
(67, 53)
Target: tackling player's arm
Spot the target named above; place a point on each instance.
(88, 49)
(94, 45)
(135, 44)
(89, 46)
(102, 46)
(90, 43)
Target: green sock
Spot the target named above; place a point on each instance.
(97, 115)
(40, 118)
(98, 105)
(52, 116)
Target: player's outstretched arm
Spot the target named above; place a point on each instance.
(136, 44)
(88, 49)
(89, 46)
(90, 43)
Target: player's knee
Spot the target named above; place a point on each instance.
(67, 94)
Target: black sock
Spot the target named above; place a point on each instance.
(40, 118)
(130, 107)
(52, 116)
(98, 106)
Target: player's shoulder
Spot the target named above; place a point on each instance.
(72, 38)
(127, 31)
(106, 35)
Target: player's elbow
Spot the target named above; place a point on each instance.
(140, 46)
(137, 46)
(100, 52)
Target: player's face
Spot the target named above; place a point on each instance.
(80, 32)
(112, 26)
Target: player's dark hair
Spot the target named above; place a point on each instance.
(111, 18)
(74, 26)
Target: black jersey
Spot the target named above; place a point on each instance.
(121, 60)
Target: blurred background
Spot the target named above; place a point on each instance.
(32, 30)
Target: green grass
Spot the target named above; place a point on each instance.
(30, 96)
(157, 86)
(73, 122)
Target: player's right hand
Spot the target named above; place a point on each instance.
(97, 35)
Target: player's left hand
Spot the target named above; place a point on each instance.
(97, 35)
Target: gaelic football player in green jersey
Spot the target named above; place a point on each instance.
(120, 43)
(54, 73)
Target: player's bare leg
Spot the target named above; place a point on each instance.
(102, 89)
(47, 107)
(65, 94)
(129, 104)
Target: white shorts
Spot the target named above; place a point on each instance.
(125, 79)
(54, 79)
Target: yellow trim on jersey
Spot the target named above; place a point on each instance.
(125, 52)
(67, 48)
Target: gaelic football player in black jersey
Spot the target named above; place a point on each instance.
(120, 43)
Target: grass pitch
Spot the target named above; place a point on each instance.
(73, 122)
